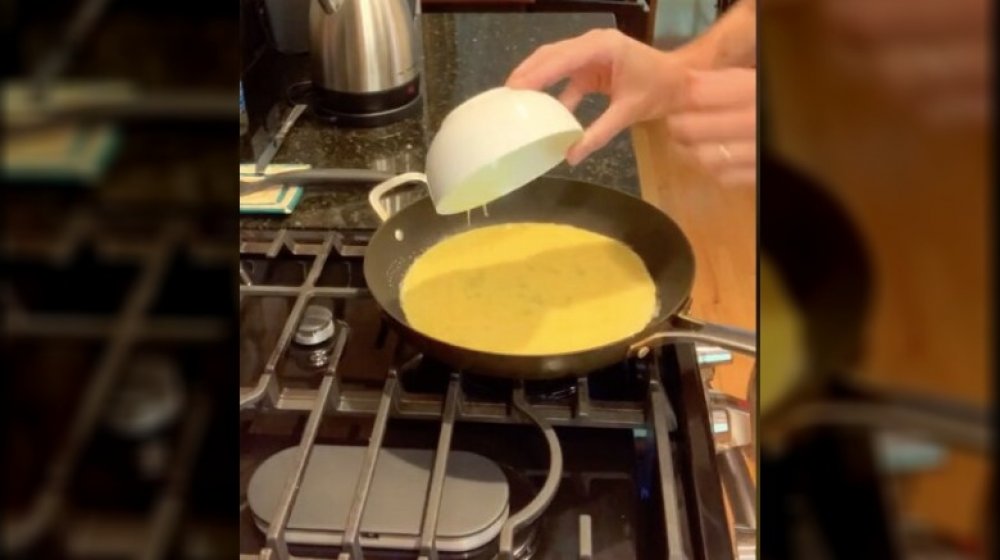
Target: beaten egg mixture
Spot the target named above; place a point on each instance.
(528, 289)
(782, 338)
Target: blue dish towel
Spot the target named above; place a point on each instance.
(64, 152)
(279, 199)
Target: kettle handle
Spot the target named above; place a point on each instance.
(328, 6)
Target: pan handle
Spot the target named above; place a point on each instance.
(383, 188)
(688, 329)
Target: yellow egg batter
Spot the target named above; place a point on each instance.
(528, 289)
(782, 338)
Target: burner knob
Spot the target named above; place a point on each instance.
(148, 399)
(316, 326)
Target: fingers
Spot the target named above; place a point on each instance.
(732, 159)
(739, 176)
(718, 126)
(733, 87)
(938, 67)
(572, 95)
(956, 109)
(718, 123)
(553, 62)
(724, 155)
(617, 117)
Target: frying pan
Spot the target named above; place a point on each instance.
(820, 256)
(820, 435)
(654, 237)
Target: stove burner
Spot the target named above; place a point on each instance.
(316, 326)
(422, 374)
(149, 398)
(623, 381)
(499, 389)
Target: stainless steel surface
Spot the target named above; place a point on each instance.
(534, 509)
(168, 510)
(265, 383)
(732, 420)
(972, 435)
(352, 534)
(734, 431)
(739, 487)
(397, 501)
(276, 532)
(148, 399)
(731, 338)
(316, 326)
(746, 545)
(662, 413)
(362, 46)
(428, 530)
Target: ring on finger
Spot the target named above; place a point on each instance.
(726, 154)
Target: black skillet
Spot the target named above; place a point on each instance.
(825, 456)
(655, 238)
(823, 261)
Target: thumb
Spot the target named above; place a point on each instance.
(614, 120)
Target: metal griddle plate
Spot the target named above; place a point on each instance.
(474, 504)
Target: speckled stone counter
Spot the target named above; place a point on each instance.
(464, 54)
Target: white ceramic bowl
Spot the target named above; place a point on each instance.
(494, 143)
(490, 145)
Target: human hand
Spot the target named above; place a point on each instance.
(641, 82)
(717, 122)
(933, 55)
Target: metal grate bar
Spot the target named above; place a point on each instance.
(311, 292)
(245, 279)
(739, 487)
(582, 397)
(435, 490)
(265, 385)
(167, 513)
(530, 512)
(300, 303)
(57, 325)
(352, 533)
(275, 537)
(277, 243)
(661, 413)
(364, 402)
(80, 232)
(22, 532)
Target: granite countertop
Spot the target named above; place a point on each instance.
(464, 54)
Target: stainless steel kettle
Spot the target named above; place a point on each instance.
(364, 55)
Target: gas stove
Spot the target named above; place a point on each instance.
(114, 366)
(353, 445)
